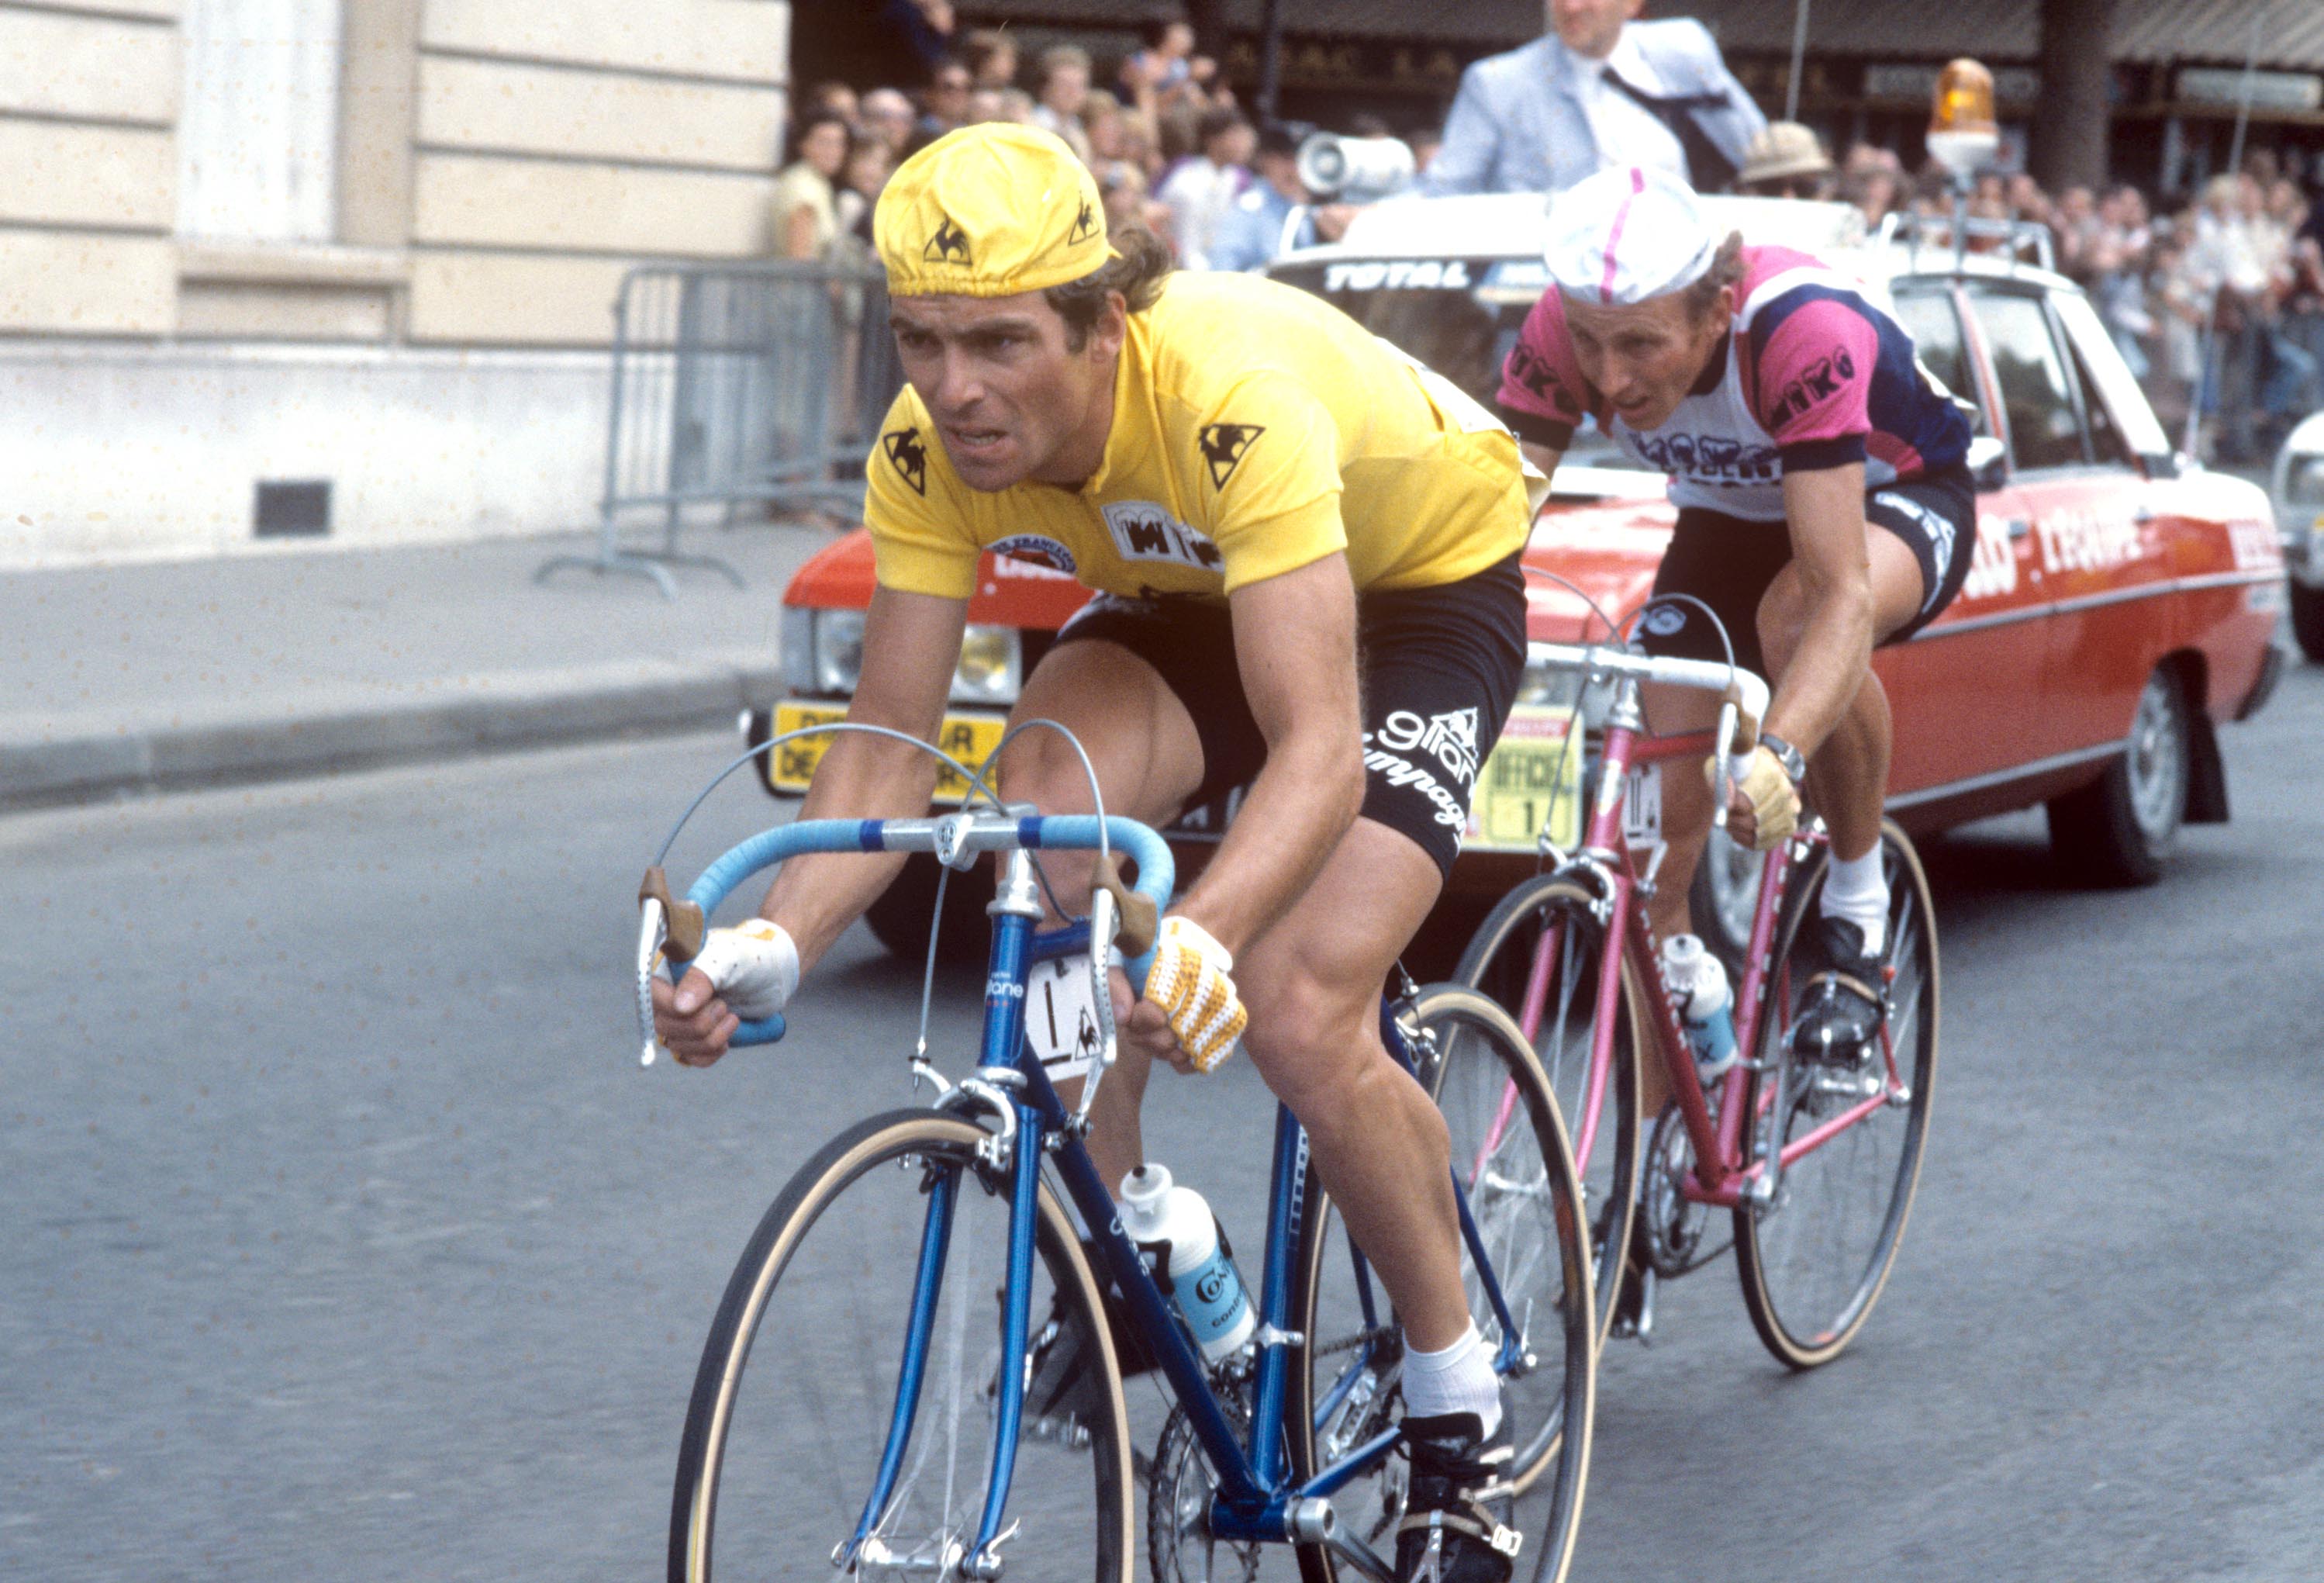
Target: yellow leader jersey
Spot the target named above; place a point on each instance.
(1256, 429)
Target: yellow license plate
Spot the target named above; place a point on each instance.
(1533, 780)
(967, 738)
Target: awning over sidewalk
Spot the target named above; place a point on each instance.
(2145, 32)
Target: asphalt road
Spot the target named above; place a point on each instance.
(345, 1239)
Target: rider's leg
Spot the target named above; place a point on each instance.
(1848, 775)
(1673, 711)
(1148, 759)
(1312, 984)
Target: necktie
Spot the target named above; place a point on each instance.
(1708, 169)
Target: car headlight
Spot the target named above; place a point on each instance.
(838, 650)
(992, 666)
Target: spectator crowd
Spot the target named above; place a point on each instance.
(2245, 255)
(1174, 152)
(1171, 148)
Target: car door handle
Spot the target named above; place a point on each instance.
(2018, 526)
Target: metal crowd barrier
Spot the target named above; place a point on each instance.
(737, 383)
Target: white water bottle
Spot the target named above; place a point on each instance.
(1698, 984)
(1175, 1225)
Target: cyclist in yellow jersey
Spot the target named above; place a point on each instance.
(1258, 489)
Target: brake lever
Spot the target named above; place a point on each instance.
(1104, 923)
(650, 933)
(1722, 782)
(668, 930)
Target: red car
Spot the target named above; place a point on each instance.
(2120, 607)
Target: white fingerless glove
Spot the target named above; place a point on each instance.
(1774, 802)
(753, 966)
(1189, 982)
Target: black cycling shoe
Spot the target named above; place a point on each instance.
(1453, 1530)
(1065, 1379)
(1633, 1297)
(1842, 1008)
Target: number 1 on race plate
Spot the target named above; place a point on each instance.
(1061, 1017)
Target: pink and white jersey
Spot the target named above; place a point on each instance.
(1813, 374)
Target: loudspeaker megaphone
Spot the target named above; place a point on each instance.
(1332, 166)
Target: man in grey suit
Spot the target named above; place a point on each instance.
(1601, 90)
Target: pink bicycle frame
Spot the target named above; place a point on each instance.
(1723, 1172)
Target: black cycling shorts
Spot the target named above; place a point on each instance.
(1727, 563)
(1441, 668)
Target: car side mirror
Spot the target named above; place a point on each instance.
(2162, 464)
(1989, 462)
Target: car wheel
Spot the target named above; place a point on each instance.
(899, 919)
(2308, 621)
(1725, 894)
(2119, 829)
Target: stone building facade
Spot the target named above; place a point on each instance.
(369, 245)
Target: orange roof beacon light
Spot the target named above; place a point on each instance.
(1962, 131)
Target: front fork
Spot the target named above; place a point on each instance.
(1018, 1148)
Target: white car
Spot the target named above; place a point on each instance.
(2299, 492)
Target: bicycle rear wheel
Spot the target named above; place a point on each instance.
(1815, 1260)
(1509, 1150)
(1538, 954)
(776, 1464)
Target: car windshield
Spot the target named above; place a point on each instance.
(1460, 316)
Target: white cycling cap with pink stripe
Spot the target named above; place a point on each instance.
(1625, 235)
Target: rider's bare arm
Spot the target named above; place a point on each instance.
(1825, 508)
(1542, 458)
(911, 645)
(1295, 643)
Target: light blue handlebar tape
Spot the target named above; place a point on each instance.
(1157, 871)
(766, 1032)
(763, 851)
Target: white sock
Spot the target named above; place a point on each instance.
(1459, 1379)
(1856, 889)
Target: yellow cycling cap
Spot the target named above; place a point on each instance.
(990, 210)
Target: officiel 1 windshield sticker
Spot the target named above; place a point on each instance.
(1143, 530)
(1223, 446)
(1037, 550)
(908, 455)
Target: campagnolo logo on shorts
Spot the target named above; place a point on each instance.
(1709, 458)
(1143, 530)
(1409, 749)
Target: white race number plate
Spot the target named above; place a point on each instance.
(1061, 1016)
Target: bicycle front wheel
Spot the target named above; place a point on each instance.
(1510, 1155)
(1540, 956)
(778, 1466)
(1814, 1259)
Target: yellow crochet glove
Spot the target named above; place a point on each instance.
(1189, 982)
(1775, 800)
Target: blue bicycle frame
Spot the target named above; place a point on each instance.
(1255, 1499)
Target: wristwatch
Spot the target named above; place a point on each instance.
(1786, 755)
